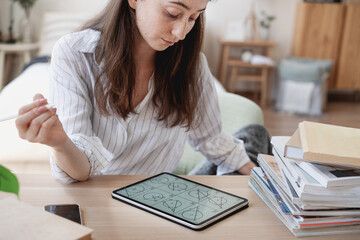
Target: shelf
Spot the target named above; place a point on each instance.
(239, 63)
(248, 43)
(231, 63)
(18, 47)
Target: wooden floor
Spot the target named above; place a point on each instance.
(337, 113)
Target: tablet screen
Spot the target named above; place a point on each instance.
(178, 199)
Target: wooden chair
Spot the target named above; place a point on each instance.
(259, 73)
(261, 78)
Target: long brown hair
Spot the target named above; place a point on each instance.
(177, 86)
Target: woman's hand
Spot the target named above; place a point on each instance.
(246, 169)
(38, 124)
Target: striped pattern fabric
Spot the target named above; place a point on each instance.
(139, 144)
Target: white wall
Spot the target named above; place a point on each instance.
(218, 14)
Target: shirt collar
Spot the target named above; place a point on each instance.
(86, 41)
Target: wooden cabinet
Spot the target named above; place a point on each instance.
(348, 76)
(318, 30)
(330, 31)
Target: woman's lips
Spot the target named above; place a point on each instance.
(168, 42)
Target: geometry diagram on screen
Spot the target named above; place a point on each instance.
(177, 186)
(131, 191)
(193, 214)
(198, 194)
(172, 204)
(218, 201)
(153, 196)
(162, 180)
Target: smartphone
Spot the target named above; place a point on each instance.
(69, 211)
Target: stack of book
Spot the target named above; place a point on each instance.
(312, 183)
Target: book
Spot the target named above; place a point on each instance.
(294, 223)
(309, 191)
(333, 175)
(292, 148)
(283, 196)
(305, 218)
(269, 164)
(301, 181)
(20, 220)
(336, 181)
(304, 192)
(327, 144)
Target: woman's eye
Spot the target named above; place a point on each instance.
(172, 15)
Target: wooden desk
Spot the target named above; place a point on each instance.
(266, 48)
(112, 219)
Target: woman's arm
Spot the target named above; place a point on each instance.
(73, 161)
(246, 169)
(39, 125)
(225, 151)
(73, 72)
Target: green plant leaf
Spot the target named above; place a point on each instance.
(25, 3)
(8, 181)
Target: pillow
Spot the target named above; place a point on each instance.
(323, 64)
(303, 69)
(57, 24)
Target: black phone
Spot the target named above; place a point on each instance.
(69, 211)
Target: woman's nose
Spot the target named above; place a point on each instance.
(179, 30)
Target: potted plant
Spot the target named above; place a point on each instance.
(26, 23)
(265, 23)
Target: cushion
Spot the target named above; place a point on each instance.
(303, 85)
(57, 24)
(303, 69)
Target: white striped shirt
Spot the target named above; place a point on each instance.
(139, 144)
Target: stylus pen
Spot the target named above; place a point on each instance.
(48, 106)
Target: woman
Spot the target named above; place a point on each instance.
(130, 88)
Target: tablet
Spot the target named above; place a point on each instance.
(182, 201)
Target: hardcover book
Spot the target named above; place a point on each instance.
(329, 143)
(325, 144)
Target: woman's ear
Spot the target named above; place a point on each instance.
(132, 3)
